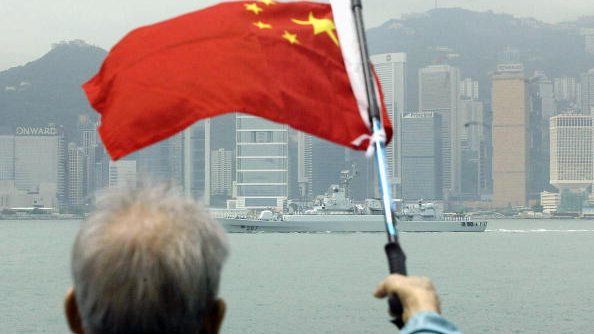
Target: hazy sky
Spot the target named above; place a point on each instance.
(29, 27)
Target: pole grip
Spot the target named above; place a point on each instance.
(397, 264)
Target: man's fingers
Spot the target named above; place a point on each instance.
(390, 284)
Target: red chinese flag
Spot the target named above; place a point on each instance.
(280, 61)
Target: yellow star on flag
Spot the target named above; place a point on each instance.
(262, 25)
(320, 26)
(253, 7)
(268, 2)
(292, 38)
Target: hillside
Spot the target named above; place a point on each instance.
(48, 89)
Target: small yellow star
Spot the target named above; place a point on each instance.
(320, 26)
(292, 38)
(262, 25)
(268, 2)
(253, 7)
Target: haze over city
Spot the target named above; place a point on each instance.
(29, 28)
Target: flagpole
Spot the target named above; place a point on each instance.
(395, 254)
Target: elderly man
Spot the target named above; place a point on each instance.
(149, 261)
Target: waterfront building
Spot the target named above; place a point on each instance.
(439, 93)
(122, 174)
(571, 152)
(549, 202)
(421, 160)
(261, 163)
(391, 70)
(471, 129)
(75, 177)
(304, 166)
(6, 158)
(39, 162)
(510, 107)
(196, 161)
(221, 175)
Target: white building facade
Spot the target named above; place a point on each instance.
(261, 163)
(391, 70)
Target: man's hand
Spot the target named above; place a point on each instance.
(417, 294)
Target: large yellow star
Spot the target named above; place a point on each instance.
(268, 2)
(262, 25)
(292, 38)
(320, 26)
(253, 7)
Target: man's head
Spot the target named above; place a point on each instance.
(147, 261)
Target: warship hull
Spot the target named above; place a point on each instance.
(345, 223)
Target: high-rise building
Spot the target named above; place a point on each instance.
(122, 174)
(391, 70)
(587, 93)
(304, 166)
(196, 161)
(471, 131)
(439, 93)
(6, 158)
(546, 94)
(39, 162)
(510, 105)
(571, 152)
(261, 163)
(421, 160)
(221, 175)
(75, 177)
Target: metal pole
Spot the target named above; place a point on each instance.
(376, 123)
(395, 254)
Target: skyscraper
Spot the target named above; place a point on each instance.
(421, 161)
(261, 163)
(510, 136)
(196, 161)
(439, 93)
(587, 92)
(221, 176)
(571, 152)
(39, 162)
(391, 70)
(75, 177)
(304, 166)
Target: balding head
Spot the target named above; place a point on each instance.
(147, 261)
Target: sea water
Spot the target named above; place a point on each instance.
(520, 276)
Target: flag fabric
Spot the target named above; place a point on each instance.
(288, 62)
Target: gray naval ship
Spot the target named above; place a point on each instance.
(335, 212)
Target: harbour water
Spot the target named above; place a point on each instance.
(521, 276)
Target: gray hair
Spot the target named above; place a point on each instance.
(147, 261)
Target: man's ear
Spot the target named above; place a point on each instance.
(214, 319)
(72, 314)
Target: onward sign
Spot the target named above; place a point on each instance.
(36, 131)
